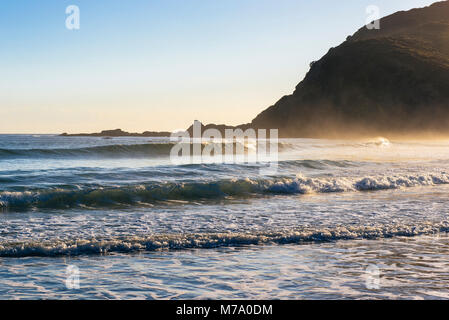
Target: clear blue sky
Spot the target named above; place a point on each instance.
(159, 64)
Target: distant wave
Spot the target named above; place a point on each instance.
(144, 194)
(134, 150)
(107, 151)
(378, 142)
(132, 244)
(147, 150)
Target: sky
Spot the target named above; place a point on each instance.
(160, 64)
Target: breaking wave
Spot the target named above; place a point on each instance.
(155, 149)
(379, 142)
(132, 244)
(144, 194)
(134, 150)
(107, 151)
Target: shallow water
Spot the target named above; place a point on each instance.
(138, 226)
(409, 268)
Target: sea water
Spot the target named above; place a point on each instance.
(338, 219)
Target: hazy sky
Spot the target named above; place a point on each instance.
(159, 64)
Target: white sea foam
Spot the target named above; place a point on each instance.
(302, 184)
(150, 193)
(213, 240)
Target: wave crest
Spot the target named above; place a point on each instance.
(141, 195)
(122, 150)
(204, 240)
(108, 151)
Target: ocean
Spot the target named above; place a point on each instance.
(114, 218)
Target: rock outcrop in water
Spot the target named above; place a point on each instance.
(119, 133)
(393, 81)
